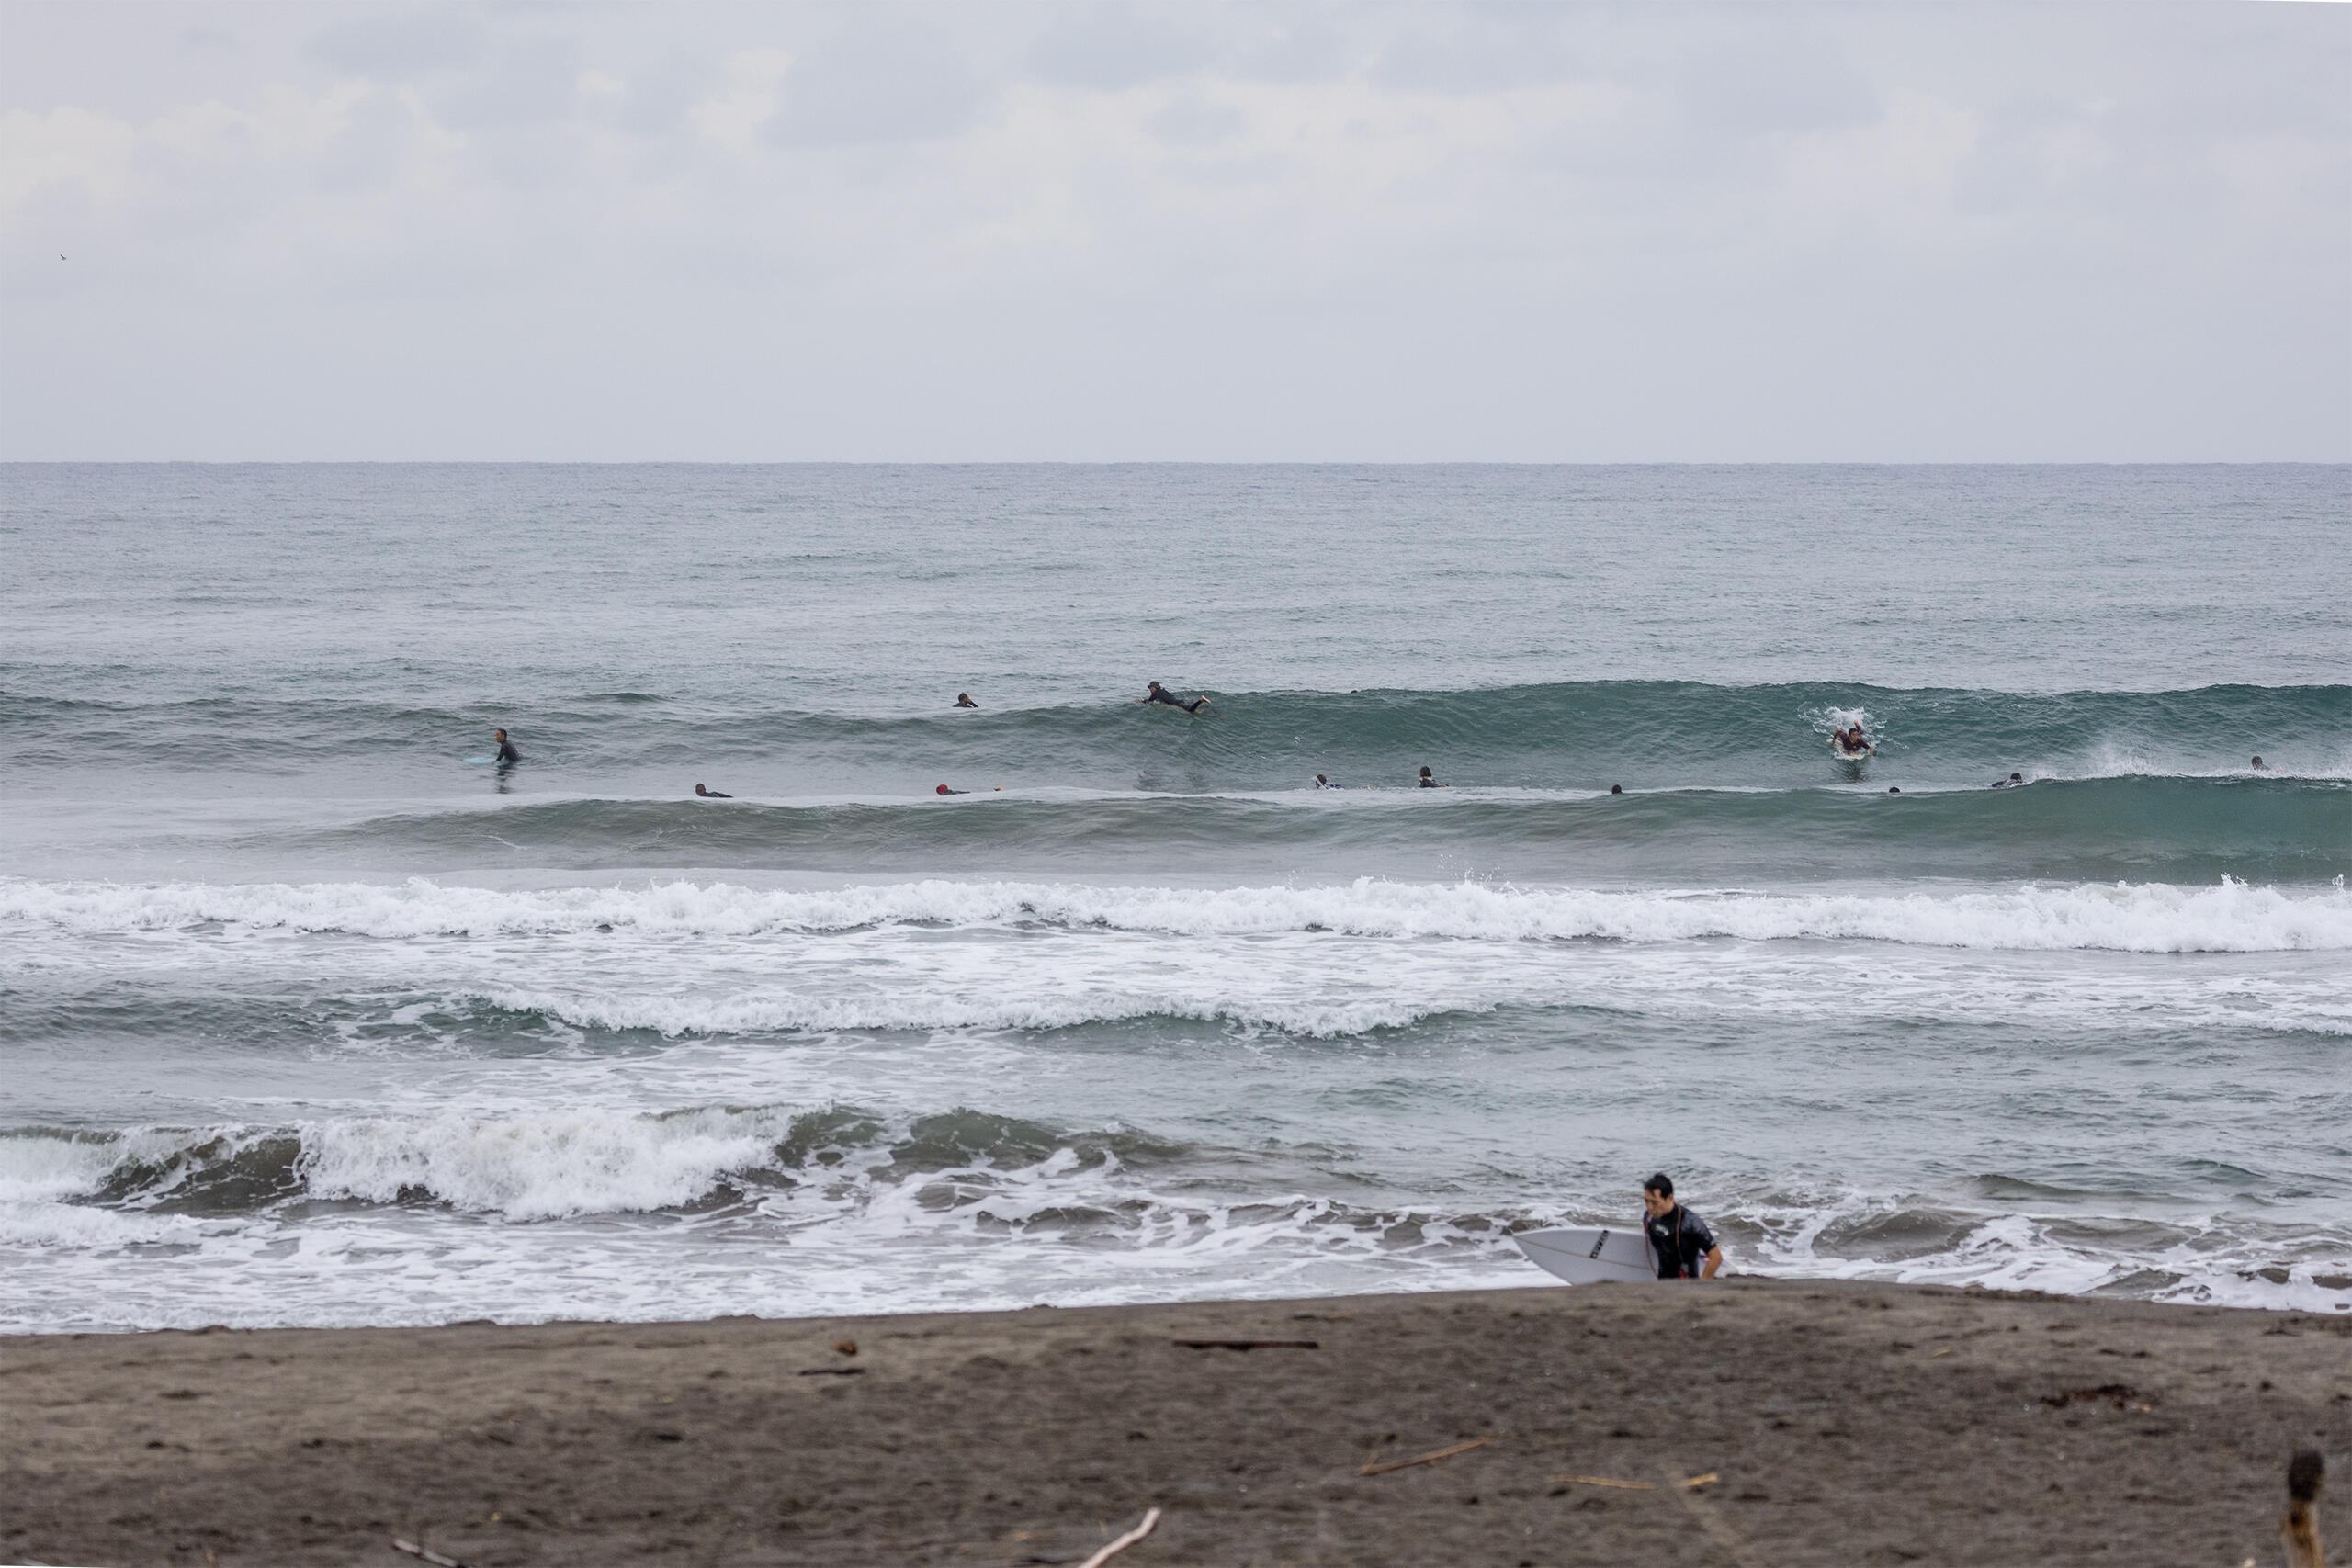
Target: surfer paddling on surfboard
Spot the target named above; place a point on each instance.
(1685, 1248)
(1159, 693)
(1851, 744)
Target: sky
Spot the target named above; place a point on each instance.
(1111, 231)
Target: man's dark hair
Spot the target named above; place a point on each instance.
(1661, 1184)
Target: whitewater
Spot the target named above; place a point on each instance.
(305, 1018)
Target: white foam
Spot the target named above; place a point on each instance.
(2230, 918)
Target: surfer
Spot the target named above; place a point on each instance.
(1616, 789)
(1853, 742)
(2012, 779)
(963, 700)
(944, 790)
(1684, 1246)
(1428, 780)
(712, 793)
(507, 756)
(1322, 782)
(2260, 766)
(1159, 693)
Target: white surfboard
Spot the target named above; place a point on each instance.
(1588, 1257)
(1864, 755)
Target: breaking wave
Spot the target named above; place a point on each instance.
(2231, 917)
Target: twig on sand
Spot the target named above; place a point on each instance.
(1604, 1481)
(2305, 1472)
(1711, 1519)
(1150, 1517)
(1707, 1480)
(1247, 1344)
(1430, 1458)
(427, 1552)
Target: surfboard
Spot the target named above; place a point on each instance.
(1864, 755)
(478, 762)
(1584, 1256)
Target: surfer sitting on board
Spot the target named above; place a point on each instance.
(1159, 693)
(507, 755)
(1684, 1246)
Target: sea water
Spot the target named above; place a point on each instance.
(307, 1017)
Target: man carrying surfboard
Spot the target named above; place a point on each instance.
(1685, 1248)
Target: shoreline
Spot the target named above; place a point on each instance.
(1843, 1421)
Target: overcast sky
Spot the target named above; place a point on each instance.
(1117, 230)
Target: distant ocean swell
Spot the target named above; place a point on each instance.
(1572, 735)
(2142, 830)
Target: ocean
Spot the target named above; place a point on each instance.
(307, 1016)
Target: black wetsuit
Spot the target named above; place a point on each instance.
(712, 793)
(1679, 1242)
(1161, 694)
(507, 755)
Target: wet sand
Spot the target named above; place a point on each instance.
(1844, 1423)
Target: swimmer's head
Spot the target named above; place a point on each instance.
(1320, 779)
(1616, 789)
(2017, 778)
(1425, 771)
(1895, 789)
(500, 733)
(2258, 763)
(944, 790)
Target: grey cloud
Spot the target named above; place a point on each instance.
(528, 80)
(397, 43)
(202, 37)
(1473, 49)
(1777, 83)
(1194, 122)
(885, 76)
(1110, 47)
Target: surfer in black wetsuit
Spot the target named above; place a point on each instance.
(943, 789)
(1159, 693)
(2012, 779)
(712, 793)
(963, 700)
(507, 756)
(1681, 1243)
(1429, 781)
(1322, 782)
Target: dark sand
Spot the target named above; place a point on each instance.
(1848, 1424)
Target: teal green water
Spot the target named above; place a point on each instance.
(305, 1017)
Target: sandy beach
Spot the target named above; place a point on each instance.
(1841, 1422)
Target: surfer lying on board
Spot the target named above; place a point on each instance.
(1159, 693)
(1685, 1248)
(1851, 741)
(712, 793)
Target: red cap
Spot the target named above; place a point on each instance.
(944, 790)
